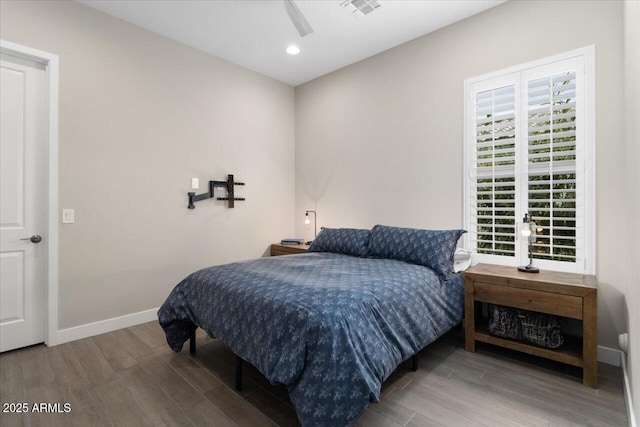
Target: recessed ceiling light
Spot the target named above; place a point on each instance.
(293, 50)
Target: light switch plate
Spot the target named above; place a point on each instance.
(195, 183)
(68, 216)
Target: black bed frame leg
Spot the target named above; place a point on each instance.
(414, 363)
(238, 373)
(192, 342)
(192, 350)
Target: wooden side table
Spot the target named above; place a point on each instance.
(563, 294)
(279, 249)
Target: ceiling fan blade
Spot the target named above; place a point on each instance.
(297, 18)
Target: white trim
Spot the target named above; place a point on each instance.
(628, 398)
(466, 170)
(590, 158)
(615, 357)
(587, 51)
(610, 356)
(52, 69)
(108, 325)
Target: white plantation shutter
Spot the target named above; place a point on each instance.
(494, 155)
(552, 165)
(527, 150)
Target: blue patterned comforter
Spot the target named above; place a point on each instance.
(331, 327)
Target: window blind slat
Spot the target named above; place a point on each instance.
(554, 136)
(564, 108)
(545, 126)
(543, 89)
(496, 134)
(506, 119)
(555, 154)
(542, 117)
(556, 145)
(482, 145)
(558, 100)
(557, 167)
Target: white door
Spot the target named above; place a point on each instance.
(23, 202)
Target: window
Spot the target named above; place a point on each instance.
(529, 148)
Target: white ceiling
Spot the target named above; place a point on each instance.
(255, 33)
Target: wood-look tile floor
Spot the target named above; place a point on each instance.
(131, 378)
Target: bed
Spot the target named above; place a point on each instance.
(331, 324)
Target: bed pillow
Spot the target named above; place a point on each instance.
(349, 241)
(431, 248)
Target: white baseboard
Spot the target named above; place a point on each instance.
(628, 398)
(610, 356)
(104, 326)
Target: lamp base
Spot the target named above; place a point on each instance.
(529, 269)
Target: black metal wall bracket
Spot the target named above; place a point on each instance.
(229, 184)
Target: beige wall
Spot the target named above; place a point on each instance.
(632, 138)
(140, 115)
(381, 141)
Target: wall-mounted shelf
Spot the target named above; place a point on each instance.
(229, 184)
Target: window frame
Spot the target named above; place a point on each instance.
(519, 75)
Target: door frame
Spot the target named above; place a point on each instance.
(51, 63)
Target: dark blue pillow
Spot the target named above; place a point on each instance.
(431, 248)
(349, 241)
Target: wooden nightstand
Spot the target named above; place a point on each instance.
(278, 249)
(563, 294)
